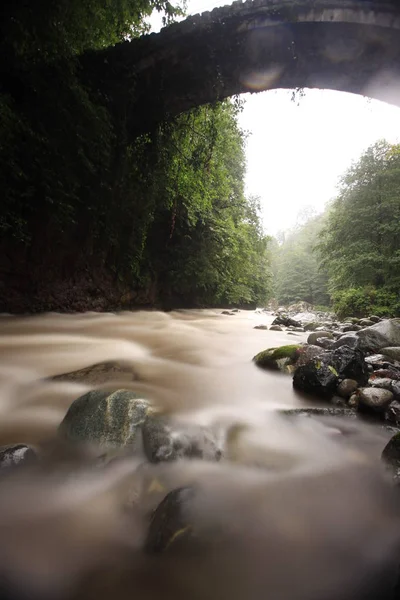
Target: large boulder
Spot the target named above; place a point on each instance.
(322, 374)
(107, 419)
(384, 334)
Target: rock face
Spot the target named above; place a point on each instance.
(321, 375)
(278, 359)
(384, 334)
(374, 399)
(121, 420)
(16, 456)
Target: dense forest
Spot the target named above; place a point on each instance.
(349, 256)
(93, 219)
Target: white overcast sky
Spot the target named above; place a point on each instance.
(297, 151)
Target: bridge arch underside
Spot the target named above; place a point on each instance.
(202, 60)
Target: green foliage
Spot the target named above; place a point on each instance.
(295, 264)
(360, 244)
(206, 242)
(165, 213)
(366, 301)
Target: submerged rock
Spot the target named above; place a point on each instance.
(391, 453)
(169, 527)
(282, 358)
(263, 327)
(165, 441)
(108, 419)
(276, 328)
(16, 456)
(120, 420)
(374, 399)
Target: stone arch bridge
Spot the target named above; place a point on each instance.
(347, 45)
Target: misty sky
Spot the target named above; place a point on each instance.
(297, 151)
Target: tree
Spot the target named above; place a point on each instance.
(360, 243)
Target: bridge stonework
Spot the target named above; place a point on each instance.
(347, 45)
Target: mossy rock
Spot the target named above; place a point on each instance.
(279, 359)
(107, 419)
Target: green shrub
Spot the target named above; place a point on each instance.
(362, 302)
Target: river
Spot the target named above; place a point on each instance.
(304, 502)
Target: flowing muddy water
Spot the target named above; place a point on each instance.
(303, 507)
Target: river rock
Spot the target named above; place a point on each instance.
(311, 326)
(366, 322)
(392, 352)
(313, 337)
(381, 382)
(169, 526)
(121, 420)
(349, 340)
(166, 441)
(351, 327)
(324, 342)
(391, 453)
(392, 414)
(227, 312)
(16, 456)
(108, 419)
(321, 375)
(375, 319)
(262, 327)
(286, 321)
(353, 401)
(374, 399)
(282, 358)
(396, 389)
(378, 361)
(347, 387)
(384, 334)
(275, 328)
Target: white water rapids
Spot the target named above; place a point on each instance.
(306, 505)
